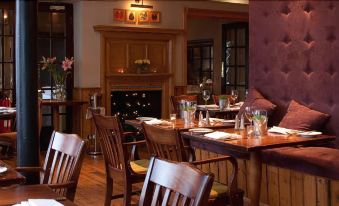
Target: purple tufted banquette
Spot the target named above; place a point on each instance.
(294, 54)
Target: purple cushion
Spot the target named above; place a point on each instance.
(257, 100)
(319, 161)
(303, 118)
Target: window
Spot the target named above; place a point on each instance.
(7, 53)
(234, 72)
(199, 61)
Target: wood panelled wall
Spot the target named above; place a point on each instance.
(280, 186)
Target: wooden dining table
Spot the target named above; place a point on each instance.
(10, 177)
(15, 194)
(180, 124)
(250, 148)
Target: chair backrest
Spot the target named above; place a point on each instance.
(176, 99)
(183, 184)
(109, 133)
(165, 143)
(63, 162)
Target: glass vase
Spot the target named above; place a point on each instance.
(59, 92)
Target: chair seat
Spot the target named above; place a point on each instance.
(218, 189)
(140, 166)
(319, 161)
(9, 137)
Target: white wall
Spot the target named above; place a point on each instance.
(87, 41)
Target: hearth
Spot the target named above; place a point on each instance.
(136, 101)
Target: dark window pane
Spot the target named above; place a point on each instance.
(211, 52)
(8, 21)
(8, 76)
(241, 37)
(241, 75)
(231, 59)
(8, 49)
(206, 65)
(206, 52)
(230, 37)
(241, 56)
(241, 92)
(1, 20)
(196, 52)
(44, 23)
(43, 48)
(58, 23)
(58, 49)
(45, 78)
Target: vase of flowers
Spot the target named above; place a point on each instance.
(59, 74)
(142, 65)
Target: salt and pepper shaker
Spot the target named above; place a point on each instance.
(236, 125)
(242, 123)
(201, 117)
(207, 118)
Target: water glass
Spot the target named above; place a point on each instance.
(190, 108)
(260, 122)
(173, 118)
(234, 96)
(249, 131)
(206, 94)
(224, 104)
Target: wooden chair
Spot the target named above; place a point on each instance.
(176, 99)
(117, 162)
(167, 144)
(62, 165)
(183, 184)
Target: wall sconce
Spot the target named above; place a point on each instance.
(142, 5)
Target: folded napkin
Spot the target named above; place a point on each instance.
(157, 122)
(3, 169)
(282, 130)
(217, 120)
(222, 135)
(43, 202)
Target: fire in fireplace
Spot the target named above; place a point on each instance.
(129, 104)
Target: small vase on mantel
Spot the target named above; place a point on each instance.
(59, 92)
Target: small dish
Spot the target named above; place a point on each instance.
(200, 130)
(3, 169)
(145, 118)
(309, 134)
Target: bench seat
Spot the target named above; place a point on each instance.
(318, 161)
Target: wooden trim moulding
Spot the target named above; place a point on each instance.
(218, 14)
(109, 28)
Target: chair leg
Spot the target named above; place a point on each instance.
(109, 191)
(127, 193)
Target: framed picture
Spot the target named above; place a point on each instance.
(131, 16)
(119, 14)
(154, 16)
(143, 17)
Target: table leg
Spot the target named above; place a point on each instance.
(255, 178)
(56, 119)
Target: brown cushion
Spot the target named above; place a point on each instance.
(257, 100)
(320, 161)
(303, 118)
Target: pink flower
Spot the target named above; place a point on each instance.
(67, 63)
(46, 62)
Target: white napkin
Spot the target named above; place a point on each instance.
(157, 122)
(43, 202)
(222, 135)
(282, 130)
(216, 120)
(3, 169)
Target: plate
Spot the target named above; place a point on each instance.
(145, 118)
(200, 130)
(309, 134)
(3, 169)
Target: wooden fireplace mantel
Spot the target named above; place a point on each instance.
(121, 46)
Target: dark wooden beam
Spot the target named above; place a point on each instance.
(217, 14)
(27, 86)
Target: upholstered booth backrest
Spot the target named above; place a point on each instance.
(294, 54)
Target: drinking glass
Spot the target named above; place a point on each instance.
(249, 114)
(234, 95)
(206, 94)
(173, 118)
(260, 122)
(191, 107)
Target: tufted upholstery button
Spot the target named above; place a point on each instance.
(308, 7)
(308, 38)
(287, 39)
(285, 9)
(331, 6)
(265, 14)
(330, 70)
(308, 70)
(331, 34)
(265, 69)
(265, 41)
(285, 69)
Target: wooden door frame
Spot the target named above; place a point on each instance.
(211, 14)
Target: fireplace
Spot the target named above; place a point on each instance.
(130, 102)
